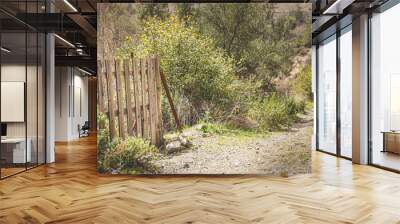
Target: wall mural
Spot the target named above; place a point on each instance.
(212, 88)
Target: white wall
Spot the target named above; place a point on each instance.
(70, 84)
(33, 125)
(62, 81)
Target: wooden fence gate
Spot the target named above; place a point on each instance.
(129, 93)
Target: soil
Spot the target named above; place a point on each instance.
(283, 153)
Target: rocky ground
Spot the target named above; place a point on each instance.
(278, 153)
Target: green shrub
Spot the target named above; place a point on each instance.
(103, 140)
(275, 111)
(132, 155)
(197, 71)
(211, 128)
(302, 84)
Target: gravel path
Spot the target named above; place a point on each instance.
(279, 153)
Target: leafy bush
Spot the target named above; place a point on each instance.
(132, 155)
(276, 111)
(103, 140)
(211, 128)
(302, 84)
(194, 67)
(206, 81)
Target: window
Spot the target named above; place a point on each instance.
(385, 89)
(346, 92)
(327, 95)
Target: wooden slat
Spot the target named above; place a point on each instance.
(105, 89)
(158, 99)
(128, 98)
(111, 107)
(138, 96)
(120, 99)
(133, 91)
(145, 98)
(100, 94)
(152, 100)
(133, 102)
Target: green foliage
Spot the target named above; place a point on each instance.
(194, 68)
(221, 60)
(261, 41)
(131, 155)
(159, 10)
(212, 128)
(302, 83)
(103, 140)
(128, 155)
(276, 111)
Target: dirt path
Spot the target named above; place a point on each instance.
(279, 153)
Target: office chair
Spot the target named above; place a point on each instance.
(84, 130)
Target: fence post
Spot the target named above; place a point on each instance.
(100, 98)
(133, 89)
(145, 95)
(128, 97)
(152, 100)
(138, 96)
(110, 96)
(171, 102)
(120, 94)
(158, 95)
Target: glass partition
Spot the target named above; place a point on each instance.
(346, 92)
(13, 87)
(22, 101)
(327, 95)
(385, 89)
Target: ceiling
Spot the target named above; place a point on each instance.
(330, 15)
(75, 22)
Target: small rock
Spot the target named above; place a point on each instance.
(186, 166)
(174, 146)
(114, 171)
(185, 142)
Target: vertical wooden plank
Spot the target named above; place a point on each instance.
(133, 102)
(100, 97)
(103, 81)
(120, 97)
(152, 100)
(136, 85)
(144, 93)
(158, 99)
(155, 102)
(110, 92)
(128, 98)
(148, 97)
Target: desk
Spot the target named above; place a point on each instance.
(13, 150)
(391, 141)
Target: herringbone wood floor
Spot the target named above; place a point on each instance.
(71, 191)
